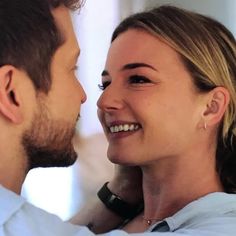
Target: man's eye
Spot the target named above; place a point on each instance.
(104, 85)
(138, 79)
(75, 68)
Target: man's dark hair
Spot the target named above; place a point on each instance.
(29, 36)
(71, 4)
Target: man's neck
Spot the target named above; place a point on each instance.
(12, 178)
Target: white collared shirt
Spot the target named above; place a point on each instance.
(211, 215)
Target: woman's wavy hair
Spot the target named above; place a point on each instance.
(208, 50)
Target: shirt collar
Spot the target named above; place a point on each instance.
(10, 203)
(217, 203)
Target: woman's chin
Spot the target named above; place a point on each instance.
(120, 160)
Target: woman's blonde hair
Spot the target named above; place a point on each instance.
(208, 50)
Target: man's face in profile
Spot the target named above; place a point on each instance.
(48, 141)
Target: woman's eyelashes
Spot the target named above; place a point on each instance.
(135, 80)
(104, 85)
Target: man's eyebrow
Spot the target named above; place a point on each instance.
(131, 66)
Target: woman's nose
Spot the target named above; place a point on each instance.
(110, 99)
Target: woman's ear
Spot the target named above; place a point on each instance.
(217, 102)
(10, 103)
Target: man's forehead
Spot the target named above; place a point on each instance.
(69, 48)
(63, 21)
(64, 24)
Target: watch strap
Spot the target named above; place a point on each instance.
(114, 203)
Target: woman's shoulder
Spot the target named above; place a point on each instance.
(215, 212)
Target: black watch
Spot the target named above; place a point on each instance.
(114, 203)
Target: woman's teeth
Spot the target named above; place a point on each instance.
(125, 127)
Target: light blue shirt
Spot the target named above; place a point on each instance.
(211, 215)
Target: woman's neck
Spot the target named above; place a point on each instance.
(169, 185)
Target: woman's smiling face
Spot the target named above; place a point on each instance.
(150, 108)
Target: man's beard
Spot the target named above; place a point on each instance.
(48, 142)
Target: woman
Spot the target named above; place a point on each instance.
(169, 106)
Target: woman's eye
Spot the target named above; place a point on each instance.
(138, 79)
(104, 85)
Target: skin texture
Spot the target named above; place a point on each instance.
(145, 83)
(153, 100)
(48, 142)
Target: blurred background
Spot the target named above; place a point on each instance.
(63, 191)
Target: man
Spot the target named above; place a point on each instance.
(40, 99)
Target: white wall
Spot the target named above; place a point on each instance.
(222, 10)
(94, 27)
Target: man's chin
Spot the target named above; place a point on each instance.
(47, 159)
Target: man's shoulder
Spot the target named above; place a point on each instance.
(17, 215)
(10, 204)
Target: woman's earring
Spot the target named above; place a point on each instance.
(205, 125)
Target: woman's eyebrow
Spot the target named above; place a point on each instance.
(130, 66)
(135, 65)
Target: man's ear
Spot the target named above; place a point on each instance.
(217, 102)
(9, 101)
